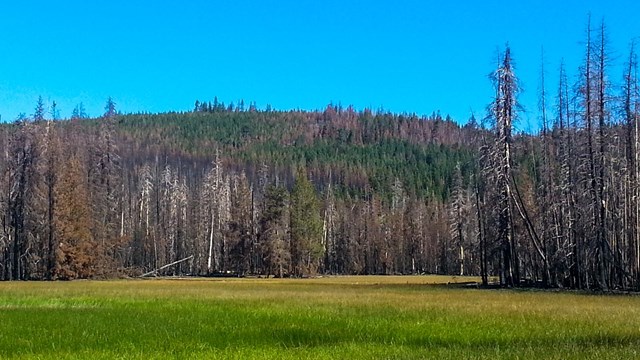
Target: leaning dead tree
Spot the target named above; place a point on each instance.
(155, 272)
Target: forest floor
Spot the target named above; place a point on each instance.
(390, 317)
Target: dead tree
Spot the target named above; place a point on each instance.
(503, 111)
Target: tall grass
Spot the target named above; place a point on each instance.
(332, 318)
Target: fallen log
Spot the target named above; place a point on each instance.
(166, 266)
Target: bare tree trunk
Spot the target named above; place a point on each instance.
(155, 271)
(481, 237)
(604, 245)
(504, 112)
(211, 231)
(631, 96)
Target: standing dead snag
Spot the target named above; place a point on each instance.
(631, 102)
(503, 111)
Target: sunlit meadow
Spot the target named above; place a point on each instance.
(323, 318)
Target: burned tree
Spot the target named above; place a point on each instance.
(503, 111)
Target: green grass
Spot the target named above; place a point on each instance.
(333, 318)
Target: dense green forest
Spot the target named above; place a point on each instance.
(224, 190)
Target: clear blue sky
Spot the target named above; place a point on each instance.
(405, 56)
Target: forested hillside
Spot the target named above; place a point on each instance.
(228, 190)
(243, 192)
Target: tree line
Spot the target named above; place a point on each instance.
(88, 198)
(74, 208)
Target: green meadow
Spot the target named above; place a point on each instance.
(326, 318)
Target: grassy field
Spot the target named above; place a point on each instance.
(332, 318)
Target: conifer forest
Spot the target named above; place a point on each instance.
(230, 189)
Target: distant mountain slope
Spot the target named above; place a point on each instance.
(357, 152)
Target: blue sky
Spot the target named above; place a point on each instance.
(405, 56)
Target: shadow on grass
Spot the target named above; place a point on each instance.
(306, 338)
(579, 341)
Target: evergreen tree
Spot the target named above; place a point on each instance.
(55, 113)
(110, 108)
(273, 236)
(306, 227)
(38, 114)
(79, 112)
